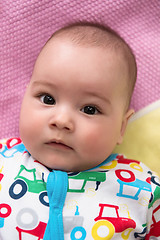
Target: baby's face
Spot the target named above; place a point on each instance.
(72, 114)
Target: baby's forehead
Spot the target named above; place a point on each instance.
(89, 37)
(117, 50)
(96, 54)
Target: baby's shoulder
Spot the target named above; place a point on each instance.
(10, 146)
(12, 153)
(10, 142)
(122, 163)
(129, 171)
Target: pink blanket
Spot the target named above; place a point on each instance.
(25, 25)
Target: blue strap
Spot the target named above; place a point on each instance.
(57, 185)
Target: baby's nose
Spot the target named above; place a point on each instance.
(62, 120)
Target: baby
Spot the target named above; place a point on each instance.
(74, 112)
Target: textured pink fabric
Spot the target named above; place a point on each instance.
(25, 25)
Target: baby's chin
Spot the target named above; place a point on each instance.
(67, 168)
(61, 162)
(58, 167)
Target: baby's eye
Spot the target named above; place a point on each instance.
(91, 110)
(47, 99)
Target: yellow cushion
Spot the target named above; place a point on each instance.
(142, 137)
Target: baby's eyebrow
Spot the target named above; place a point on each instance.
(98, 95)
(43, 84)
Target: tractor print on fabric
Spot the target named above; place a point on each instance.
(35, 227)
(31, 185)
(114, 223)
(130, 181)
(13, 145)
(81, 179)
(5, 211)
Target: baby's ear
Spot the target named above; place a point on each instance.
(126, 117)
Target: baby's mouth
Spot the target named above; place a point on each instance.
(57, 144)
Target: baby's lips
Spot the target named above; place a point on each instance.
(60, 143)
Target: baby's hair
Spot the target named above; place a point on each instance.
(96, 35)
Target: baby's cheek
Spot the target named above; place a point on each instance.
(93, 141)
(27, 129)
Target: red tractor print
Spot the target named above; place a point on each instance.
(155, 227)
(36, 232)
(4, 215)
(114, 224)
(116, 158)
